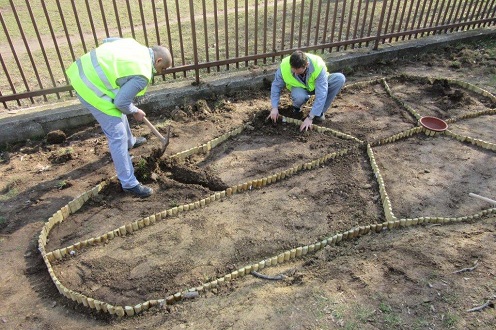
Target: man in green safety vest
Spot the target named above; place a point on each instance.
(304, 75)
(107, 80)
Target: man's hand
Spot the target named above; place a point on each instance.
(274, 114)
(139, 115)
(307, 124)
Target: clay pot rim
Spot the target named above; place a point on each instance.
(433, 123)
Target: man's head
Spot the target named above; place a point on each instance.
(163, 58)
(298, 61)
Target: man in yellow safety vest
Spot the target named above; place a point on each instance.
(107, 80)
(304, 75)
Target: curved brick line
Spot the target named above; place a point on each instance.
(321, 129)
(471, 115)
(392, 222)
(473, 88)
(206, 147)
(74, 205)
(332, 240)
(398, 100)
(459, 83)
(285, 256)
(121, 310)
(272, 261)
(129, 228)
(393, 138)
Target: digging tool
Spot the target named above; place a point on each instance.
(483, 198)
(163, 140)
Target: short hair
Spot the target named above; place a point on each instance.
(298, 59)
(162, 52)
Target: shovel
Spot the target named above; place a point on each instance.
(163, 140)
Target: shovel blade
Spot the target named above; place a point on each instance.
(165, 142)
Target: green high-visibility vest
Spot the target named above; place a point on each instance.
(94, 76)
(318, 65)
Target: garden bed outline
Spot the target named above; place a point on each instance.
(391, 221)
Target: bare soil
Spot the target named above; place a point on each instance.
(420, 277)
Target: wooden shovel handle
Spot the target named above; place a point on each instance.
(153, 129)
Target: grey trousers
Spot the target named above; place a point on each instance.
(120, 140)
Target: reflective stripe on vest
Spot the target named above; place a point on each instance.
(290, 80)
(94, 76)
(101, 75)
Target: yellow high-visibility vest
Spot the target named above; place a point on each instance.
(94, 76)
(318, 65)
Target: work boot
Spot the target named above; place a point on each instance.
(140, 190)
(139, 141)
(319, 119)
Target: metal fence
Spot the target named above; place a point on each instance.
(40, 39)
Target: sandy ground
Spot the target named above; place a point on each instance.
(425, 276)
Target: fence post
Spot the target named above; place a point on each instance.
(379, 27)
(193, 34)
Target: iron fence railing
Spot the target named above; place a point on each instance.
(41, 38)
